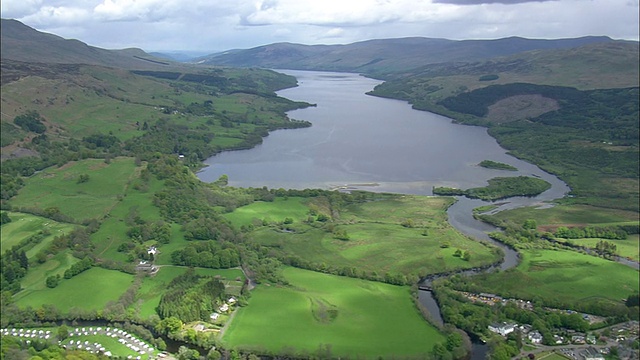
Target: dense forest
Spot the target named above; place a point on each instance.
(588, 141)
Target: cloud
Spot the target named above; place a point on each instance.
(328, 12)
(479, 2)
(223, 24)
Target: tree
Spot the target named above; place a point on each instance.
(214, 354)
(453, 341)
(169, 325)
(530, 224)
(83, 178)
(53, 281)
(4, 218)
(63, 332)
(184, 353)
(30, 121)
(466, 256)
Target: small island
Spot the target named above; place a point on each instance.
(499, 188)
(490, 164)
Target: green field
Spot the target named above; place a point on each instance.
(397, 234)
(154, 286)
(37, 274)
(353, 317)
(90, 290)
(275, 211)
(628, 248)
(59, 188)
(23, 226)
(568, 215)
(113, 230)
(565, 276)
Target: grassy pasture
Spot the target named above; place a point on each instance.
(563, 275)
(275, 211)
(38, 273)
(353, 317)
(22, 226)
(628, 248)
(90, 290)
(377, 239)
(567, 215)
(113, 230)
(58, 187)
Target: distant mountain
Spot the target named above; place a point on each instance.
(387, 55)
(20, 42)
(181, 56)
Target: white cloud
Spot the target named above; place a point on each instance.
(18, 9)
(223, 24)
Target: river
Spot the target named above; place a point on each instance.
(363, 142)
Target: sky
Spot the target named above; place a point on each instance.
(207, 26)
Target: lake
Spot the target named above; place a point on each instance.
(365, 142)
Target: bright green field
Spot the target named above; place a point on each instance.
(154, 286)
(628, 248)
(275, 211)
(90, 290)
(58, 187)
(563, 275)
(357, 318)
(38, 273)
(377, 239)
(23, 226)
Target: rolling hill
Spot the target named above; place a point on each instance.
(20, 42)
(385, 55)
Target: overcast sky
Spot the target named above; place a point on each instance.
(216, 25)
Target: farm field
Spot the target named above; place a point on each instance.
(565, 276)
(628, 248)
(37, 274)
(406, 235)
(278, 210)
(59, 188)
(89, 290)
(568, 215)
(350, 317)
(23, 226)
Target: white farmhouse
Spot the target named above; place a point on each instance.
(503, 329)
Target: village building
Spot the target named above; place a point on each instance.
(592, 354)
(578, 339)
(503, 329)
(535, 337)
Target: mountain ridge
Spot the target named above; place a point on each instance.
(20, 42)
(386, 55)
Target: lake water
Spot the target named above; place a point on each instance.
(368, 143)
